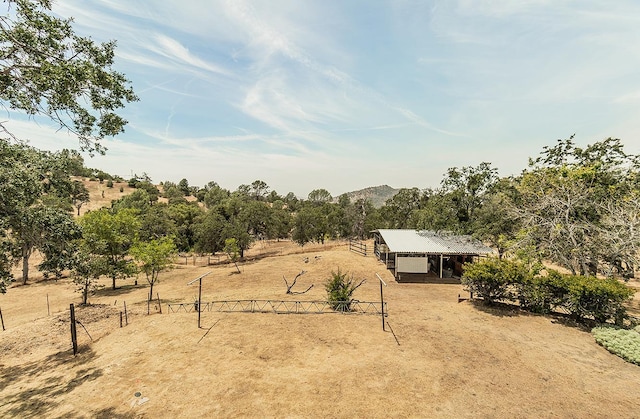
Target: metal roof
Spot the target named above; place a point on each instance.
(431, 242)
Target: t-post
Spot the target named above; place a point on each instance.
(382, 300)
(199, 279)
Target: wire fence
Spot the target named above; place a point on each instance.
(281, 307)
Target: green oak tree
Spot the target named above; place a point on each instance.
(154, 257)
(47, 69)
(79, 195)
(576, 206)
(85, 273)
(109, 236)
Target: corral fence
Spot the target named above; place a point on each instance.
(199, 260)
(281, 307)
(358, 247)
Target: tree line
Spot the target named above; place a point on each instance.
(577, 207)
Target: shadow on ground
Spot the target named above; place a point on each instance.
(32, 398)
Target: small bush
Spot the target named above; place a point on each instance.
(109, 183)
(494, 279)
(340, 291)
(621, 342)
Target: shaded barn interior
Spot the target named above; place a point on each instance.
(423, 255)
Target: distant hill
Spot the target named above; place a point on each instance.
(376, 194)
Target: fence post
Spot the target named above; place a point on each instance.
(2, 320)
(74, 337)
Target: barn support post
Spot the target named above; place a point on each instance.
(441, 262)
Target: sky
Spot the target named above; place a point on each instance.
(347, 94)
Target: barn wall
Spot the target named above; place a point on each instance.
(415, 265)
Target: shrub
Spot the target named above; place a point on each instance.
(109, 183)
(542, 294)
(600, 299)
(494, 279)
(621, 342)
(340, 291)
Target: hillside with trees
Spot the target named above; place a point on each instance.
(573, 206)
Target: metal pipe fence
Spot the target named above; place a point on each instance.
(358, 247)
(281, 307)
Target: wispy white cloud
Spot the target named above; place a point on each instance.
(175, 51)
(300, 92)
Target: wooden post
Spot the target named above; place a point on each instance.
(126, 318)
(48, 309)
(74, 337)
(199, 301)
(2, 320)
(382, 306)
(159, 305)
(121, 319)
(382, 300)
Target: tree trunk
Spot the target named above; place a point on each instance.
(26, 254)
(85, 293)
(113, 282)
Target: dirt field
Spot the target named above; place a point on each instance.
(450, 360)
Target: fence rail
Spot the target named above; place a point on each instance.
(281, 307)
(198, 260)
(358, 247)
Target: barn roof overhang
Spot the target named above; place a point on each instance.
(431, 242)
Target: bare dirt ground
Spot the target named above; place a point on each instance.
(450, 360)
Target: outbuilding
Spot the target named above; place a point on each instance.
(414, 255)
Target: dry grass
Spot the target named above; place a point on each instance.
(453, 359)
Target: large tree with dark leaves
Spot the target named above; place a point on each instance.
(47, 69)
(34, 197)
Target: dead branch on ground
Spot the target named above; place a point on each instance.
(294, 283)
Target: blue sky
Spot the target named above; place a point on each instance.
(347, 94)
